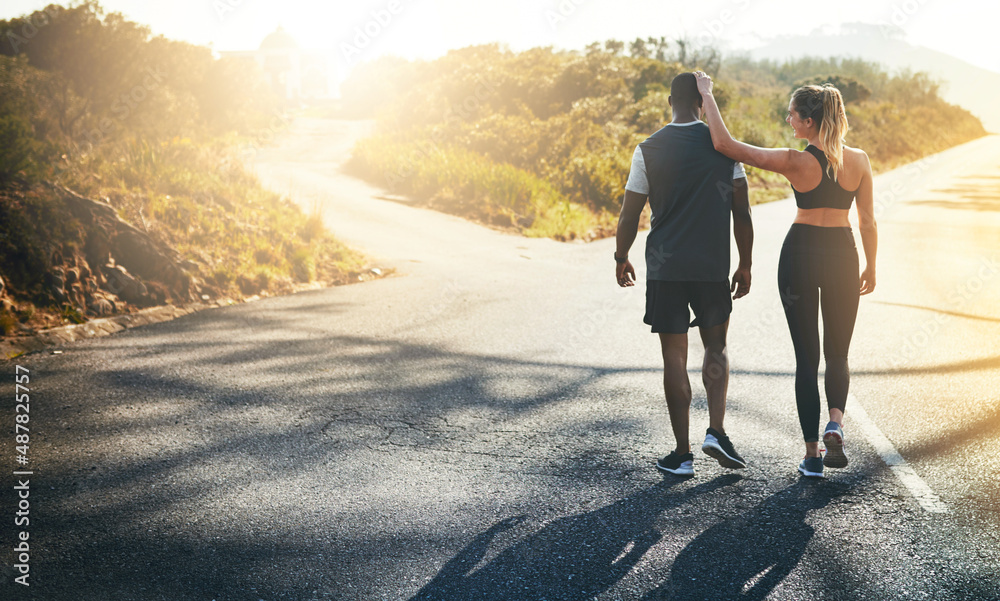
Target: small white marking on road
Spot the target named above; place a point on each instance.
(750, 584)
(906, 474)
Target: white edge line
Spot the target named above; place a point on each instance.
(923, 494)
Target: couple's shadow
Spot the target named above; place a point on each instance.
(580, 556)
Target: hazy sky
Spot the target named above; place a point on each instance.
(428, 28)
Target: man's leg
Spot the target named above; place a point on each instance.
(715, 373)
(677, 387)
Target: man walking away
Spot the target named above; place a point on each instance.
(692, 189)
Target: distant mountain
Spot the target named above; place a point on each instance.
(973, 88)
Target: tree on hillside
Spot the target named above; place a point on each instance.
(31, 118)
(100, 55)
(638, 49)
(615, 47)
(692, 57)
(851, 89)
(110, 78)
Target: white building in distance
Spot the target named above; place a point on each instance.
(295, 74)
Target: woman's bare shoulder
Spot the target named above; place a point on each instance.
(855, 153)
(856, 157)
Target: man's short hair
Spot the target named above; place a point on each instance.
(684, 91)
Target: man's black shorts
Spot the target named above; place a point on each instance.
(667, 305)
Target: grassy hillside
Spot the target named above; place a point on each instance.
(457, 132)
(120, 183)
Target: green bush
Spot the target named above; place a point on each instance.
(8, 323)
(164, 157)
(463, 182)
(72, 314)
(18, 147)
(303, 265)
(569, 121)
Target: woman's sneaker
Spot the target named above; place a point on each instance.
(681, 465)
(833, 438)
(812, 467)
(721, 448)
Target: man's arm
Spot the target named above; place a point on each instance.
(628, 227)
(743, 231)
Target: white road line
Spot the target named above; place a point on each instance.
(916, 485)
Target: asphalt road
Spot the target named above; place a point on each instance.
(483, 425)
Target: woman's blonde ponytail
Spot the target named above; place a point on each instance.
(825, 106)
(833, 128)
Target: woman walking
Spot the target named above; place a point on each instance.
(818, 267)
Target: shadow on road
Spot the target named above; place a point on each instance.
(952, 367)
(747, 556)
(975, 194)
(205, 469)
(583, 555)
(971, 432)
(574, 557)
(941, 311)
(200, 469)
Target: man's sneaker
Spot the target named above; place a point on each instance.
(719, 447)
(681, 465)
(833, 438)
(812, 467)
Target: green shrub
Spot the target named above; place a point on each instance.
(167, 163)
(569, 121)
(223, 276)
(8, 323)
(72, 314)
(18, 148)
(303, 265)
(313, 226)
(466, 183)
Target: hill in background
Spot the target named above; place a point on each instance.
(966, 85)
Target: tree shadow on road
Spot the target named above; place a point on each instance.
(142, 457)
(941, 311)
(207, 462)
(573, 557)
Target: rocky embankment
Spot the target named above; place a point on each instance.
(111, 268)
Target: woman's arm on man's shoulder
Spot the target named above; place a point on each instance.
(778, 160)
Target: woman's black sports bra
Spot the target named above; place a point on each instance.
(828, 194)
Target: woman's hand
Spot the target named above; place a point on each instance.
(867, 281)
(704, 82)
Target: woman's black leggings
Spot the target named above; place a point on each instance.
(819, 267)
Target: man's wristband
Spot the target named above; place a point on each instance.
(620, 259)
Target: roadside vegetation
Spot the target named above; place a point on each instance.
(541, 140)
(121, 181)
